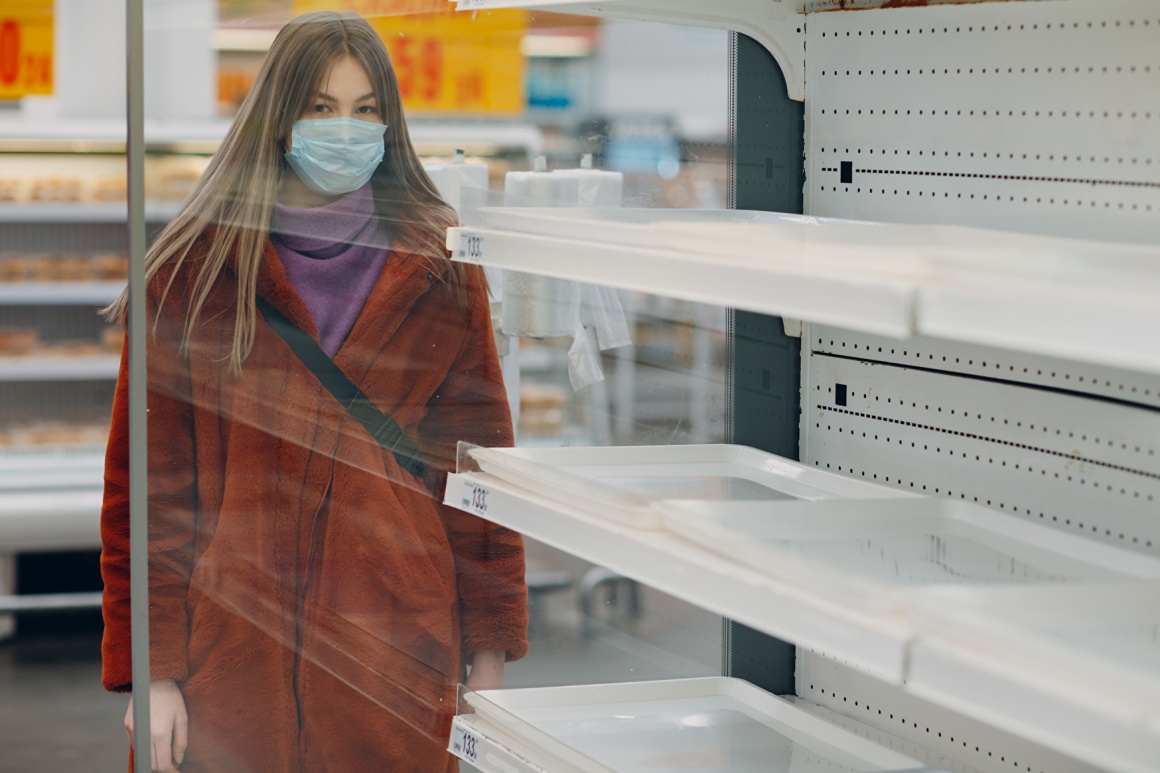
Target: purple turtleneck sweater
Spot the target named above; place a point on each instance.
(333, 255)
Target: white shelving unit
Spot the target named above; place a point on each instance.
(875, 642)
(976, 355)
(50, 520)
(50, 499)
(924, 645)
(882, 304)
(83, 213)
(1088, 301)
(661, 725)
(60, 293)
(88, 368)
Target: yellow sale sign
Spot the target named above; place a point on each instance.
(26, 48)
(447, 62)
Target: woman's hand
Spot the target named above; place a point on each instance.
(168, 725)
(486, 670)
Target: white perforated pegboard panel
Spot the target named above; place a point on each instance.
(1030, 116)
(1086, 466)
(986, 362)
(951, 742)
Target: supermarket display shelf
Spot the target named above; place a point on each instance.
(871, 640)
(879, 304)
(115, 212)
(1092, 302)
(658, 724)
(1011, 674)
(1075, 669)
(60, 293)
(50, 520)
(51, 470)
(86, 368)
(477, 742)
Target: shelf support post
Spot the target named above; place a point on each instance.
(767, 137)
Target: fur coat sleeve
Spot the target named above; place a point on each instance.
(471, 405)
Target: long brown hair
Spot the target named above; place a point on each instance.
(236, 195)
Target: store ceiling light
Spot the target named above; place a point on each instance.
(556, 46)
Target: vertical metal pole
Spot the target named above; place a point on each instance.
(138, 436)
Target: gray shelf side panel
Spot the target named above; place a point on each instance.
(768, 173)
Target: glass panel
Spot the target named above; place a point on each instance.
(312, 601)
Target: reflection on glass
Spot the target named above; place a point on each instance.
(314, 356)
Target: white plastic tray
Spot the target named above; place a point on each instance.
(1108, 635)
(887, 545)
(623, 483)
(717, 724)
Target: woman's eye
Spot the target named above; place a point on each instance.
(320, 108)
(368, 109)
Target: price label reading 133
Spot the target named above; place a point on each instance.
(475, 499)
(465, 745)
(471, 249)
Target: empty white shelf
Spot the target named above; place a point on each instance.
(902, 549)
(60, 293)
(1083, 300)
(711, 723)
(1074, 668)
(51, 470)
(50, 520)
(653, 255)
(88, 368)
(1050, 635)
(871, 640)
(116, 212)
(626, 483)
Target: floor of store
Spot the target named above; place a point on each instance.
(56, 718)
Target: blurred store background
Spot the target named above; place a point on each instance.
(646, 100)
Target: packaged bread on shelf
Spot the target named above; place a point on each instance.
(45, 268)
(57, 189)
(13, 190)
(113, 340)
(57, 433)
(106, 189)
(63, 268)
(110, 267)
(18, 342)
(171, 178)
(73, 349)
(13, 268)
(76, 268)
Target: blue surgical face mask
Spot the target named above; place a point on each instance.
(333, 156)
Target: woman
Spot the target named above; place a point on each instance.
(312, 605)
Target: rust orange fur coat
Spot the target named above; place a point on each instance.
(315, 603)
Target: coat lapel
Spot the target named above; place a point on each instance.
(404, 280)
(275, 287)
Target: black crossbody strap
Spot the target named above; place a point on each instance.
(385, 430)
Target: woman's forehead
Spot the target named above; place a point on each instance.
(344, 73)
